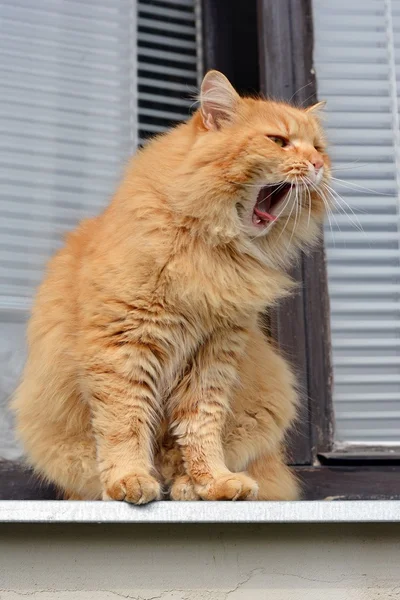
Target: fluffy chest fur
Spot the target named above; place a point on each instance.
(222, 283)
(170, 296)
(180, 277)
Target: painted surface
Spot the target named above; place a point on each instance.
(340, 511)
(200, 562)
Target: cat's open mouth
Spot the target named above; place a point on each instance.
(268, 198)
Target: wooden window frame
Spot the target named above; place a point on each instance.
(267, 46)
(277, 36)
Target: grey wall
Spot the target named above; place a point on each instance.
(245, 562)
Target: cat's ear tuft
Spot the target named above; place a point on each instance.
(317, 108)
(218, 100)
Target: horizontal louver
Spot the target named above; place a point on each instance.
(167, 63)
(81, 82)
(67, 125)
(357, 61)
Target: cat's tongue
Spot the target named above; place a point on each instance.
(265, 216)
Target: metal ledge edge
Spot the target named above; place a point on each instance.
(53, 511)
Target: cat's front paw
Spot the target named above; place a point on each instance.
(230, 486)
(183, 489)
(136, 488)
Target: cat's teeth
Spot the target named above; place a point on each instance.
(258, 221)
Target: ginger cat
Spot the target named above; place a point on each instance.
(147, 366)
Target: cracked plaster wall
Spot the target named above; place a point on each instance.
(200, 562)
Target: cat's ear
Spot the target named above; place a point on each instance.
(218, 100)
(316, 108)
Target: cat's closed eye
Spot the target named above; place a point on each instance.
(278, 140)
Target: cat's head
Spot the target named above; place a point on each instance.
(266, 161)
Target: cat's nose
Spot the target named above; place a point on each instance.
(317, 163)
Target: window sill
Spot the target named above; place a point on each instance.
(53, 511)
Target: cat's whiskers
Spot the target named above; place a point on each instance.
(299, 90)
(336, 198)
(346, 168)
(305, 101)
(352, 186)
(356, 224)
(289, 216)
(297, 204)
(340, 198)
(328, 210)
(304, 182)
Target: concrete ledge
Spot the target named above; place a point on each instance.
(53, 511)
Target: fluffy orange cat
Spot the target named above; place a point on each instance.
(147, 368)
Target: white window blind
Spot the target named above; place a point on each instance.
(357, 61)
(82, 82)
(168, 63)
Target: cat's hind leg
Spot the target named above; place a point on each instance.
(276, 481)
(53, 422)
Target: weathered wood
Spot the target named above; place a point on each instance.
(217, 37)
(361, 457)
(314, 277)
(17, 482)
(230, 41)
(319, 373)
(281, 47)
(350, 482)
(283, 39)
(319, 483)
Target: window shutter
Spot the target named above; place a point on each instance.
(168, 63)
(82, 82)
(357, 61)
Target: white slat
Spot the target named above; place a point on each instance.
(357, 60)
(68, 72)
(166, 31)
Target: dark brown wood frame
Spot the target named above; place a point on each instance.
(279, 36)
(301, 322)
(267, 45)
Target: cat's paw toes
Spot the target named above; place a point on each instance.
(136, 488)
(231, 486)
(183, 489)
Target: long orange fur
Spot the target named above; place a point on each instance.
(147, 366)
